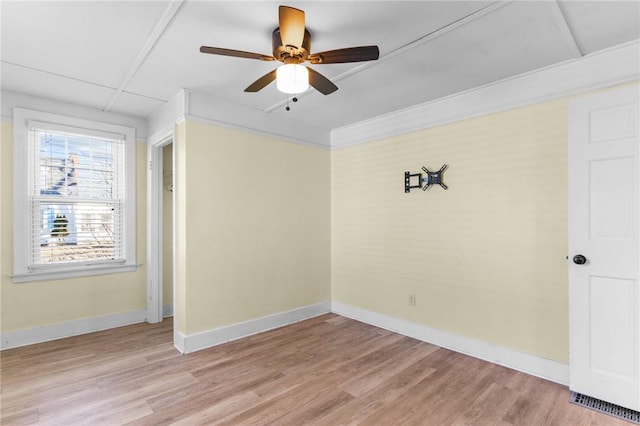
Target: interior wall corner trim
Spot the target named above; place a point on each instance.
(527, 363)
(607, 68)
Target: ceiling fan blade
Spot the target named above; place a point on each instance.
(262, 82)
(321, 83)
(349, 54)
(291, 26)
(235, 53)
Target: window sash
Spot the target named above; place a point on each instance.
(115, 209)
(76, 233)
(100, 166)
(67, 228)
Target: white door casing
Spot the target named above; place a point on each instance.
(154, 224)
(604, 226)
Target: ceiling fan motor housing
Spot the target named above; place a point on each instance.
(291, 54)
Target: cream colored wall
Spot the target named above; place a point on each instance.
(180, 223)
(486, 258)
(167, 226)
(257, 238)
(6, 133)
(41, 303)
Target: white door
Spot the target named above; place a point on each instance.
(604, 293)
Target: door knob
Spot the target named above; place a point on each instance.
(579, 259)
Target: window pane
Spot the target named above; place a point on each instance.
(76, 232)
(73, 166)
(77, 201)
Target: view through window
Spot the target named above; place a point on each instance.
(77, 198)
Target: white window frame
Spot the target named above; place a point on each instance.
(22, 212)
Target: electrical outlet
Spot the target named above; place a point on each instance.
(412, 300)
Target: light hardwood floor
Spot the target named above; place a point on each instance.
(328, 370)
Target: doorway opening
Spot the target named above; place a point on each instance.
(160, 228)
(167, 230)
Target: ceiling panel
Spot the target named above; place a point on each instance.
(176, 63)
(248, 26)
(134, 105)
(89, 41)
(597, 25)
(511, 40)
(50, 86)
(81, 51)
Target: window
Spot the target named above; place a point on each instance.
(73, 198)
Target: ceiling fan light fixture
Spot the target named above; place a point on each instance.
(292, 78)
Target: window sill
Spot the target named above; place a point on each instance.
(77, 272)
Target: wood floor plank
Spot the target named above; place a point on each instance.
(527, 407)
(386, 370)
(380, 397)
(329, 370)
(220, 410)
(488, 408)
(327, 401)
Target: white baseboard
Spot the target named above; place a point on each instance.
(178, 340)
(206, 339)
(14, 339)
(526, 363)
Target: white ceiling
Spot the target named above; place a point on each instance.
(130, 57)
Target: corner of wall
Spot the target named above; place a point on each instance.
(516, 360)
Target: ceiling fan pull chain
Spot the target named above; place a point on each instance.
(294, 99)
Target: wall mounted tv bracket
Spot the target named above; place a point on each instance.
(415, 180)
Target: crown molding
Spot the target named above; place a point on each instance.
(199, 107)
(603, 69)
(204, 108)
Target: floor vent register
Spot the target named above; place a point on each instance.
(605, 407)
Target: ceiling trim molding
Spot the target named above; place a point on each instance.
(204, 108)
(196, 106)
(606, 68)
(256, 131)
(157, 32)
(167, 114)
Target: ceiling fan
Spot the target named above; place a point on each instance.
(292, 46)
